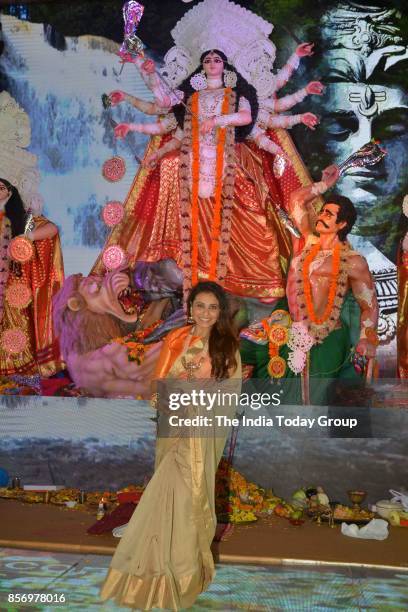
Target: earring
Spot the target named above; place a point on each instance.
(190, 319)
(199, 81)
(230, 78)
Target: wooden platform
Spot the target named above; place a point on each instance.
(269, 541)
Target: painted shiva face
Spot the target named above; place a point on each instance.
(327, 220)
(364, 71)
(205, 310)
(353, 115)
(213, 65)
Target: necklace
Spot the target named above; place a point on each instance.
(320, 327)
(192, 366)
(333, 284)
(214, 82)
(223, 194)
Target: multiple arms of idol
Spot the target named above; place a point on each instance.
(268, 117)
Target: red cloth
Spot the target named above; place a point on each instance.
(56, 386)
(120, 516)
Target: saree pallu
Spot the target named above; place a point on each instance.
(164, 559)
(44, 275)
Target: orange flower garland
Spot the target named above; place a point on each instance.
(277, 335)
(194, 188)
(134, 342)
(216, 223)
(333, 284)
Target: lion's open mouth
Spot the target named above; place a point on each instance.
(130, 301)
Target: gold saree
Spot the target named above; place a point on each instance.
(164, 559)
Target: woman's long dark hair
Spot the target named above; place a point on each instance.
(242, 88)
(223, 341)
(15, 211)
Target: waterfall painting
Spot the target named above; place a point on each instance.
(59, 83)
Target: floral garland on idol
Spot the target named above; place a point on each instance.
(314, 329)
(278, 335)
(133, 342)
(5, 235)
(224, 190)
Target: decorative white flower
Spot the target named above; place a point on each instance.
(198, 81)
(230, 78)
(299, 337)
(297, 361)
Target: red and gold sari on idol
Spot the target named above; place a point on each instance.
(259, 245)
(43, 275)
(164, 558)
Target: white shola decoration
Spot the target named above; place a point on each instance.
(219, 24)
(230, 78)
(297, 361)
(300, 342)
(17, 165)
(199, 81)
(299, 337)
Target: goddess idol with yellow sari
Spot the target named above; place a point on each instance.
(164, 559)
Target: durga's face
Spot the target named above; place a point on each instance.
(213, 65)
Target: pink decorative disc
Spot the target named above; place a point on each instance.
(114, 169)
(13, 341)
(113, 257)
(113, 213)
(18, 295)
(21, 249)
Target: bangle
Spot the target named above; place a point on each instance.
(319, 188)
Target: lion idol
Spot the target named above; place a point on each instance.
(110, 327)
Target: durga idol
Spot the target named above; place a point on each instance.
(207, 196)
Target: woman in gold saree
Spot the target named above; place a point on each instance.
(164, 559)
